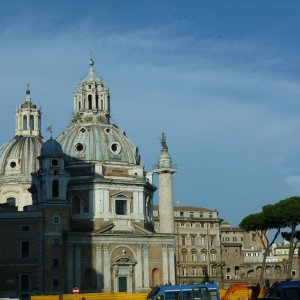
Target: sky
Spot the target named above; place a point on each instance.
(220, 78)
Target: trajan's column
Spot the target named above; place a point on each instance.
(165, 171)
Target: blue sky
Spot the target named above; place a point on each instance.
(221, 78)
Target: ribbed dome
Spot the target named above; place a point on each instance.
(51, 148)
(97, 142)
(19, 155)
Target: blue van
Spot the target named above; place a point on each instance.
(207, 291)
(287, 290)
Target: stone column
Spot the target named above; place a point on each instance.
(165, 264)
(107, 277)
(172, 264)
(146, 267)
(70, 271)
(78, 265)
(138, 268)
(99, 266)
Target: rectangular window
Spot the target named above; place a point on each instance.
(54, 162)
(55, 263)
(24, 282)
(210, 215)
(55, 283)
(25, 249)
(193, 240)
(25, 228)
(56, 219)
(121, 207)
(201, 214)
(181, 214)
(191, 214)
(55, 242)
(253, 237)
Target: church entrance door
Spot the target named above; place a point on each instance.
(122, 284)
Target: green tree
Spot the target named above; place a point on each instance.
(288, 210)
(261, 223)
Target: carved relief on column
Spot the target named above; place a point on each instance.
(172, 264)
(99, 270)
(146, 266)
(165, 264)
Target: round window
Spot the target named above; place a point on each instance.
(79, 147)
(13, 164)
(115, 148)
(83, 130)
(107, 130)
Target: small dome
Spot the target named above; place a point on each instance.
(18, 156)
(51, 148)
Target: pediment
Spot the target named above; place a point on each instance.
(109, 229)
(121, 195)
(124, 260)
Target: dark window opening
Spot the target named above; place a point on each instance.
(90, 101)
(76, 205)
(24, 249)
(55, 283)
(55, 263)
(31, 123)
(24, 122)
(11, 201)
(54, 162)
(97, 101)
(121, 207)
(79, 147)
(13, 164)
(25, 228)
(55, 188)
(24, 282)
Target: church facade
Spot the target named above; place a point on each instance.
(77, 211)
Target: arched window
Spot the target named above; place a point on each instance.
(194, 254)
(31, 123)
(79, 105)
(76, 205)
(24, 122)
(11, 201)
(203, 255)
(184, 254)
(213, 255)
(90, 101)
(97, 101)
(55, 188)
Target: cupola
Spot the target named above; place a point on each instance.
(91, 99)
(28, 118)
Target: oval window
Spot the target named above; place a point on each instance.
(79, 147)
(13, 164)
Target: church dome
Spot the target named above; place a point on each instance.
(51, 148)
(18, 156)
(97, 142)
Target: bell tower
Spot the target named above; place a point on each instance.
(165, 170)
(91, 99)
